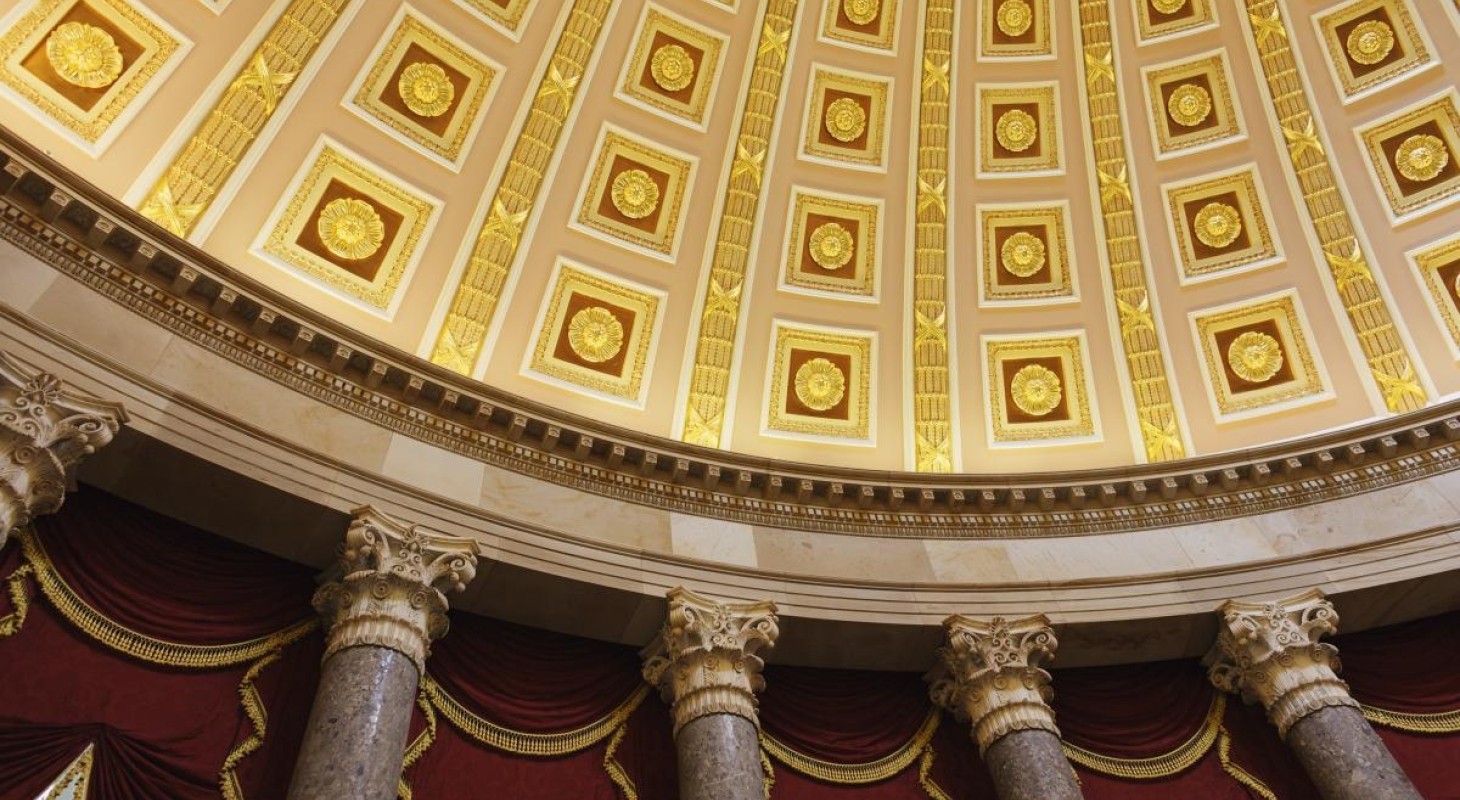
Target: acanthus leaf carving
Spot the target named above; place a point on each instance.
(990, 675)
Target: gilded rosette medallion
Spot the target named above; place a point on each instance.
(84, 55)
(1421, 157)
(1168, 6)
(1218, 225)
(672, 68)
(1014, 17)
(1190, 105)
(350, 228)
(1038, 389)
(1023, 254)
(846, 121)
(595, 334)
(1255, 356)
(820, 385)
(1017, 130)
(1370, 42)
(832, 246)
(862, 12)
(635, 194)
(425, 89)
(1035, 390)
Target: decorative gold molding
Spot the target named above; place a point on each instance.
(1161, 427)
(1393, 368)
(932, 404)
(193, 180)
(474, 298)
(709, 386)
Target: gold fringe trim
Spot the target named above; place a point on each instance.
(1242, 776)
(615, 770)
(855, 774)
(258, 715)
(138, 645)
(1442, 722)
(768, 773)
(530, 744)
(925, 776)
(11, 623)
(419, 745)
(1162, 766)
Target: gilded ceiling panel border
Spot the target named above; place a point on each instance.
(1150, 386)
(704, 419)
(932, 406)
(208, 160)
(1393, 369)
(474, 300)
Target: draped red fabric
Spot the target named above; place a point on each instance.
(1205, 780)
(169, 580)
(957, 769)
(1257, 749)
(646, 753)
(842, 716)
(458, 767)
(287, 689)
(1132, 710)
(1425, 652)
(530, 679)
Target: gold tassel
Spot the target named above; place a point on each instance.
(1442, 722)
(855, 774)
(524, 743)
(1242, 776)
(614, 769)
(1162, 766)
(258, 716)
(419, 745)
(11, 623)
(925, 775)
(768, 773)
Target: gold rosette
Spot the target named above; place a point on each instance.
(634, 194)
(84, 55)
(1255, 356)
(832, 246)
(1370, 42)
(1014, 17)
(672, 68)
(1022, 254)
(1421, 157)
(1168, 6)
(1016, 130)
(861, 12)
(425, 89)
(595, 334)
(1036, 390)
(350, 228)
(1217, 225)
(845, 119)
(820, 385)
(1190, 105)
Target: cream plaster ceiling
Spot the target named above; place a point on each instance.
(1225, 227)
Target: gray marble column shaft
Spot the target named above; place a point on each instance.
(1345, 757)
(357, 731)
(1031, 765)
(719, 759)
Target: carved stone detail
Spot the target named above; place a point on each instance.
(45, 432)
(391, 586)
(989, 674)
(1269, 653)
(705, 659)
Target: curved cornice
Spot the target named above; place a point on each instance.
(65, 222)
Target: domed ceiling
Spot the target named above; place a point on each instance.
(984, 236)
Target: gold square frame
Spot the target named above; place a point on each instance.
(1201, 255)
(1187, 17)
(860, 219)
(999, 282)
(1015, 29)
(1384, 140)
(878, 33)
(643, 83)
(507, 16)
(329, 169)
(1207, 74)
(92, 115)
(376, 95)
(1439, 266)
(578, 288)
(851, 352)
(996, 106)
(671, 173)
(1015, 421)
(867, 150)
(1356, 71)
(1296, 381)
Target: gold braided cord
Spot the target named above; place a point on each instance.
(615, 770)
(1242, 776)
(855, 774)
(419, 745)
(258, 716)
(15, 586)
(1163, 766)
(141, 646)
(768, 773)
(1442, 722)
(925, 776)
(530, 744)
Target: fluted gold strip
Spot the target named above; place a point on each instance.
(1150, 386)
(1163, 766)
(1388, 358)
(474, 300)
(1442, 722)
(855, 774)
(715, 349)
(932, 406)
(210, 157)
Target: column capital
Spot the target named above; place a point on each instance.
(989, 674)
(45, 432)
(1270, 653)
(706, 659)
(389, 587)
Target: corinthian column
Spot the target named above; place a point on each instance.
(706, 666)
(1270, 653)
(988, 674)
(383, 608)
(45, 432)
